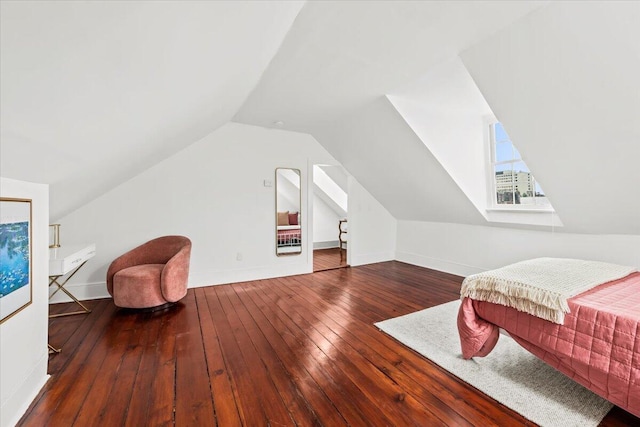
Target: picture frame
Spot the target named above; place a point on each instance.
(16, 265)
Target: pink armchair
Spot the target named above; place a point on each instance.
(151, 275)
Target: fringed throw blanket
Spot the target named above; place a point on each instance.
(541, 286)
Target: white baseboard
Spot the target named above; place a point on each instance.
(82, 291)
(222, 277)
(89, 291)
(363, 259)
(17, 404)
(326, 245)
(438, 264)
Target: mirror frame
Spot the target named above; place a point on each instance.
(299, 173)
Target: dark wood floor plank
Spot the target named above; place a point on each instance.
(458, 397)
(56, 391)
(138, 410)
(97, 367)
(332, 325)
(195, 403)
(272, 401)
(73, 332)
(303, 379)
(329, 259)
(404, 366)
(113, 408)
(341, 390)
(348, 345)
(299, 409)
(249, 405)
(371, 384)
(299, 350)
(163, 382)
(224, 400)
(309, 358)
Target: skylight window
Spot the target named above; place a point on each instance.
(513, 184)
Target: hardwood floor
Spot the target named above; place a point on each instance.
(328, 259)
(299, 350)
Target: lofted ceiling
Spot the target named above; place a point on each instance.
(93, 93)
(341, 56)
(330, 76)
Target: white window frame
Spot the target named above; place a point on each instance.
(492, 163)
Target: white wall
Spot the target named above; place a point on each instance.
(325, 223)
(382, 152)
(371, 228)
(468, 249)
(448, 113)
(213, 192)
(23, 337)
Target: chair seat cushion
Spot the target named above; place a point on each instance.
(138, 286)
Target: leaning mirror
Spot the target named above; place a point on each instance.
(288, 216)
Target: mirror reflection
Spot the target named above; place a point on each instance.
(288, 216)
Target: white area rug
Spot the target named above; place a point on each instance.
(509, 374)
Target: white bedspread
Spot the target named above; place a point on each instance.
(541, 286)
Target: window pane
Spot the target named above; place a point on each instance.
(523, 181)
(520, 167)
(504, 184)
(503, 167)
(500, 133)
(514, 183)
(504, 151)
(541, 199)
(516, 153)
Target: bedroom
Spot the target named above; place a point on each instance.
(148, 119)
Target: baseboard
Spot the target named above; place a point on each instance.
(89, 291)
(363, 259)
(438, 264)
(326, 245)
(84, 291)
(223, 277)
(17, 404)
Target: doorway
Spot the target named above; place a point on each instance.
(330, 226)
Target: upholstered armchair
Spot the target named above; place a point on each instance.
(151, 275)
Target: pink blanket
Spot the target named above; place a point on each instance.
(598, 345)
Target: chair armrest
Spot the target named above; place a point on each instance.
(175, 275)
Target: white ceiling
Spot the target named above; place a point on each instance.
(565, 83)
(93, 93)
(340, 56)
(330, 76)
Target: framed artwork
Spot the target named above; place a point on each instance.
(15, 256)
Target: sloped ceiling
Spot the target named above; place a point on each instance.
(330, 76)
(561, 76)
(92, 93)
(564, 82)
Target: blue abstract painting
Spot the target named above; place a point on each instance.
(14, 257)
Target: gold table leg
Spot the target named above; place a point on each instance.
(53, 280)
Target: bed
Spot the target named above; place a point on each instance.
(289, 235)
(596, 341)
